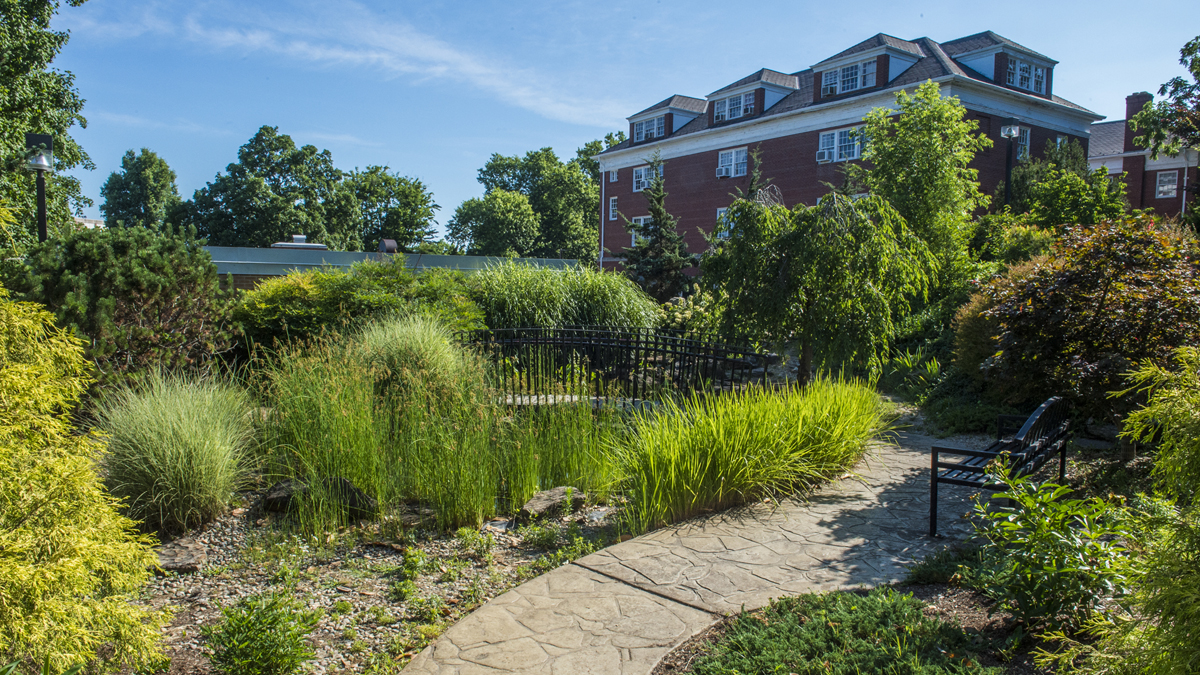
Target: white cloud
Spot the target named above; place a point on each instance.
(184, 126)
(349, 35)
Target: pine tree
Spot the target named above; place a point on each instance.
(658, 257)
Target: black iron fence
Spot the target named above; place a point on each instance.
(625, 365)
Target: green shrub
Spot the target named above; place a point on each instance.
(710, 453)
(881, 631)
(912, 373)
(142, 298)
(71, 564)
(415, 358)
(700, 312)
(177, 447)
(303, 305)
(1108, 297)
(262, 635)
(1048, 560)
(513, 295)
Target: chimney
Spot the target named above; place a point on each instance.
(1133, 105)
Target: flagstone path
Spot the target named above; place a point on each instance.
(620, 610)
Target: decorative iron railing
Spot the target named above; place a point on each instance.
(621, 365)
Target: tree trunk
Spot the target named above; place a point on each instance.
(804, 373)
(1128, 450)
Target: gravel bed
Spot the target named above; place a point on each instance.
(352, 577)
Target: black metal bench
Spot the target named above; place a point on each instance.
(1043, 434)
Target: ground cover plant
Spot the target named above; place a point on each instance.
(71, 563)
(880, 631)
(262, 635)
(707, 453)
(178, 447)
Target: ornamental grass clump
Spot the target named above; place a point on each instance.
(711, 452)
(515, 296)
(70, 564)
(177, 447)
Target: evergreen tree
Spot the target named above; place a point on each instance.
(142, 193)
(658, 257)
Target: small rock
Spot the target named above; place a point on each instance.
(345, 589)
(184, 555)
(550, 502)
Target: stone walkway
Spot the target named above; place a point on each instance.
(622, 609)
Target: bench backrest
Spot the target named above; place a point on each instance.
(1040, 435)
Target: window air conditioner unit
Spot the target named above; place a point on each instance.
(824, 156)
(722, 172)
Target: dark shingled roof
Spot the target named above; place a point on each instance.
(696, 105)
(765, 75)
(934, 60)
(1108, 138)
(983, 41)
(879, 40)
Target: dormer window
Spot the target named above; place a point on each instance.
(848, 78)
(650, 129)
(1024, 75)
(733, 107)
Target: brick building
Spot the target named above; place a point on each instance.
(1150, 183)
(802, 121)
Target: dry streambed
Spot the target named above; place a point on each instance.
(382, 597)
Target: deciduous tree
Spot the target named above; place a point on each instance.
(392, 206)
(503, 223)
(1173, 122)
(142, 193)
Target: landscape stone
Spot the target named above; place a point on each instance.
(550, 503)
(182, 556)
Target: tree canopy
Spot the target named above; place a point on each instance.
(392, 206)
(502, 223)
(658, 257)
(142, 193)
(35, 98)
(1174, 122)
(832, 276)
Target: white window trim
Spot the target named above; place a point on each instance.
(612, 208)
(1037, 75)
(640, 184)
(612, 176)
(724, 112)
(1023, 148)
(734, 164)
(832, 80)
(721, 229)
(836, 146)
(1159, 185)
(648, 130)
(637, 220)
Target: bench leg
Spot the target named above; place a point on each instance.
(1062, 464)
(933, 496)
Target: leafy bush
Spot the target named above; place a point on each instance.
(912, 373)
(70, 562)
(306, 304)
(513, 295)
(699, 312)
(881, 631)
(1067, 198)
(1048, 560)
(141, 298)
(262, 635)
(709, 453)
(1108, 297)
(177, 447)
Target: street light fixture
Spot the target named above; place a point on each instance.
(1009, 131)
(40, 150)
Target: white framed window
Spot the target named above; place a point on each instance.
(612, 208)
(642, 177)
(840, 145)
(731, 162)
(848, 78)
(1060, 141)
(1026, 76)
(733, 107)
(612, 176)
(1167, 184)
(650, 129)
(722, 227)
(1023, 144)
(637, 220)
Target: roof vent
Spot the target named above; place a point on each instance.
(299, 241)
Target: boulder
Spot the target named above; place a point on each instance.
(285, 496)
(184, 555)
(550, 503)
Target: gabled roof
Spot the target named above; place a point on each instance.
(765, 75)
(983, 41)
(696, 105)
(876, 41)
(1107, 138)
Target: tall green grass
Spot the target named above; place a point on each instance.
(177, 447)
(514, 296)
(711, 452)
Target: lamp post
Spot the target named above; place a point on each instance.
(1009, 131)
(40, 148)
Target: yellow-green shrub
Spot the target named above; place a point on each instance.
(68, 561)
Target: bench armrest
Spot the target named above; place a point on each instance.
(965, 452)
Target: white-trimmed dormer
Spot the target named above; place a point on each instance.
(752, 95)
(870, 64)
(664, 118)
(1005, 63)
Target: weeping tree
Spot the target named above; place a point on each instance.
(832, 277)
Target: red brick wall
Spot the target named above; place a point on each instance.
(1133, 105)
(1135, 179)
(883, 64)
(694, 193)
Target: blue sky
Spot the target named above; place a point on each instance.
(433, 88)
